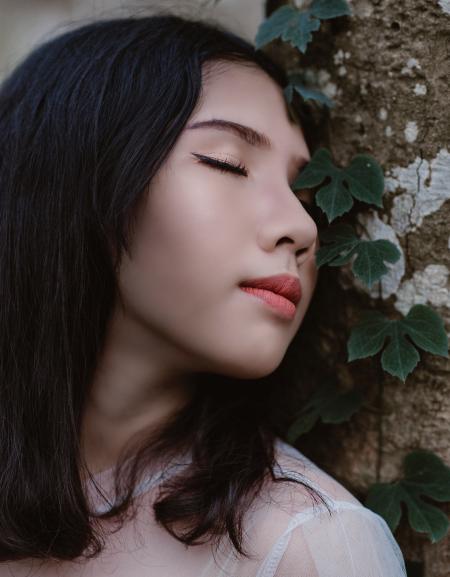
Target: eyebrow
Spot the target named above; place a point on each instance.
(245, 133)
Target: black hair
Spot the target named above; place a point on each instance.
(86, 120)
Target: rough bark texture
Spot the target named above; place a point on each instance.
(387, 67)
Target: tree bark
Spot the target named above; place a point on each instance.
(387, 67)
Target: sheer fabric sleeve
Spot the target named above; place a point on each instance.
(351, 542)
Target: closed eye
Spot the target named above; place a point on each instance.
(224, 166)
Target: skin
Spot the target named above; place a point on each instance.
(200, 234)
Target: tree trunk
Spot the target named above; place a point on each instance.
(387, 67)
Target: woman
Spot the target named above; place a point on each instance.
(146, 171)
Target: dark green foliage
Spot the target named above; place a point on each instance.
(425, 474)
(424, 327)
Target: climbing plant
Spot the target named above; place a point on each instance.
(424, 473)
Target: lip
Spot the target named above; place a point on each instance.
(285, 285)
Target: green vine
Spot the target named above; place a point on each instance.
(422, 328)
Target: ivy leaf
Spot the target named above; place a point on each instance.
(425, 469)
(422, 325)
(363, 180)
(274, 26)
(306, 93)
(426, 329)
(289, 24)
(343, 243)
(325, 9)
(313, 94)
(328, 404)
(385, 499)
(424, 474)
(295, 25)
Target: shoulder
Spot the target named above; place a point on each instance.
(282, 506)
(352, 541)
(336, 536)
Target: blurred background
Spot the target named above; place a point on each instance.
(25, 23)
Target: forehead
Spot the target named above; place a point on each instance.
(247, 95)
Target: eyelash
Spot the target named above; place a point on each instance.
(240, 170)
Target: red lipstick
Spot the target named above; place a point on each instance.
(282, 292)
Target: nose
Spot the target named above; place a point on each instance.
(290, 225)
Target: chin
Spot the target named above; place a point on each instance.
(255, 370)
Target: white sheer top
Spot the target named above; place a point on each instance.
(287, 534)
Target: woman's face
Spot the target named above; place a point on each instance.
(203, 231)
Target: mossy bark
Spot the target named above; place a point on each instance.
(387, 67)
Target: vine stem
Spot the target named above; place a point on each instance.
(380, 421)
(380, 375)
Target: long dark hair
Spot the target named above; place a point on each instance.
(86, 120)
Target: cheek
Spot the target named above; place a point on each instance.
(182, 268)
(191, 236)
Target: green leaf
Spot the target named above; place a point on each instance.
(299, 33)
(296, 25)
(367, 337)
(289, 24)
(338, 233)
(385, 500)
(425, 518)
(313, 94)
(362, 180)
(325, 9)
(369, 264)
(426, 328)
(307, 93)
(426, 469)
(365, 179)
(274, 26)
(400, 356)
(424, 474)
(318, 168)
(327, 403)
(340, 243)
(334, 199)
